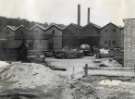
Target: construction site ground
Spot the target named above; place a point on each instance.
(106, 79)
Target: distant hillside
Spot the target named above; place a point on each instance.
(16, 22)
(10, 21)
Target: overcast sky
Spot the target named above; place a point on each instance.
(65, 11)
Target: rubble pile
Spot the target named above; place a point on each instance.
(24, 79)
(29, 78)
(30, 75)
(82, 90)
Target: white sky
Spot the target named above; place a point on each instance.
(65, 11)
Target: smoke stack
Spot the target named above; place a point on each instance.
(79, 15)
(88, 20)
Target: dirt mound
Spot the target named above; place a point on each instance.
(30, 75)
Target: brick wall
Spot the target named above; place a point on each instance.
(129, 42)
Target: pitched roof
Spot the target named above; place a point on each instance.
(4, 37)
(73, 27)
(7, 31)
(59, 27)
(19, 27)
(14, 28)
(90, 29)
(39, 26)
(95, 25)
(111, 24)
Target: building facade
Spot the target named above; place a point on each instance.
(70, 36)
(110, 36)
(11, 46)
(90, 34)
(55, 40)
(35, 38)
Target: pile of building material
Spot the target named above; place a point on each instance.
(84, 90)
(35, 80)
(29, 75)
(22, 79)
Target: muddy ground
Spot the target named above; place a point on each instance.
(36, 81)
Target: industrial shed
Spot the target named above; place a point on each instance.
(36, 39)
(11, 47)
(56, 35)
(110, 36)
(89, 34)
(70, 36)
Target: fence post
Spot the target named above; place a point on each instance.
(72, 75)
(134, 68)
(86, 70)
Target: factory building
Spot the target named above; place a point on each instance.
(12, 46)
(39, 38)
(90, 34)
(110, 36)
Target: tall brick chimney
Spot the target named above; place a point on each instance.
(79, 14)
(88, 16)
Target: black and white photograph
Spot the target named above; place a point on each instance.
(67, 49)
